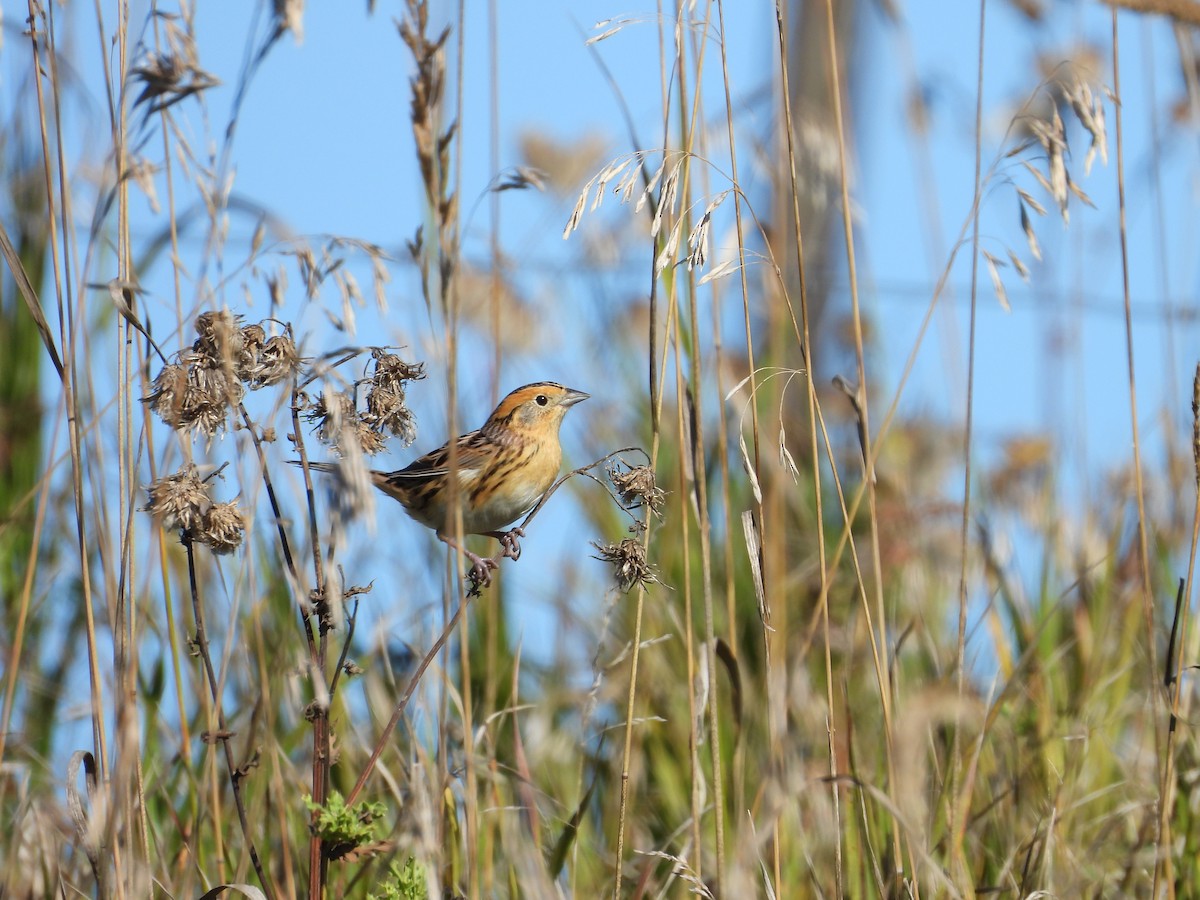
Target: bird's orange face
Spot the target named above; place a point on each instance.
(535, 409)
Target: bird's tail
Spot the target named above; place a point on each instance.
(316, 466)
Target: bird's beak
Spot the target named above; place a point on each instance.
(571, 397)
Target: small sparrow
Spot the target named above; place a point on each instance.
(502, 470)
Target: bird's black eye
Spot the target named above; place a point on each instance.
(541, 399)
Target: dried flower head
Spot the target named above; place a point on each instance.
(628, 559)
(252, 339)
(370, 440)
(339, 423)
(330, 413)
(223, 528)
(391, 369)
(220, 341)
(167, 394)
(280, 359)
(637, 487)
(180, 500)
(210, 392)
(272, 362)
(386, 407)
(199, 388)
(386, 410)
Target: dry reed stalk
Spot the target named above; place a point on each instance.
(69, 340)
(696, 240)
(1161, 838)
(803, 335)
(960, 803)
(656, 376)
(878, 638)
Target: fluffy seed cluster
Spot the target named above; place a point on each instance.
(183, 501)
(628, 560)
(339, 420)
(637, 487)
(197, 390)
(386, 409)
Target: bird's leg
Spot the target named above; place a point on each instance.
(508, 540)
(481, 567)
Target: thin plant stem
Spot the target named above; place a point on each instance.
(957, 815)
(723, 458)
(318, 861)
(685, 544)
(814, 452)
(63, 294)
(1162, 825)
(655, 379)
(492, 617)
(285, 546)
(1174, 674)
(223, 734)
(880, 636)
(693, 126)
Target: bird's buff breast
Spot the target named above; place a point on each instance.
(487, 507)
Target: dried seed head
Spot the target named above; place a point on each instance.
(331, 413)
(637, 487)
(223, 528)
(167, 394)
(386, 408)
(253, 337)
(160, 73)
(192, 394)
(339, 424)
(390, 368)
(209, 395)
(220, 337)
(628, 559)
(277, 360)
(204, 383)
(251, 342)
(180, 500)
(370, 440)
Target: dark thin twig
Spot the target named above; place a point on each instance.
(284, 544)
(1169, 667)
(223, 733)
(317, 855)
(337, 673)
